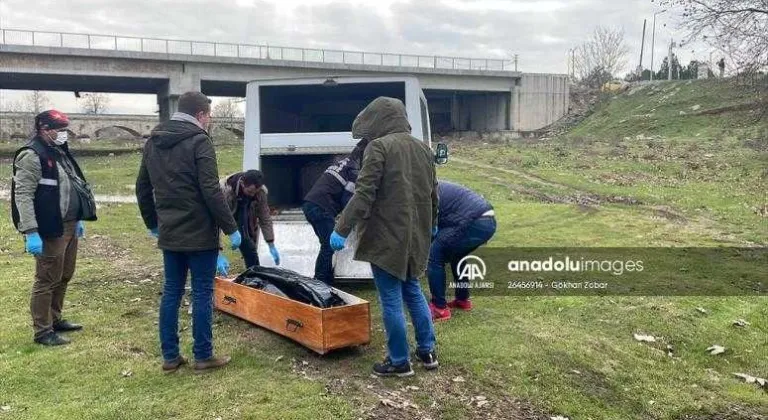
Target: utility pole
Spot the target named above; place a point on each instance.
(642, 50)
(516, 58)
(653, 40)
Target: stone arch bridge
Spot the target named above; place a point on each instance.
(18, 125)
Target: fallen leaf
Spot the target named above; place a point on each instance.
(305, 363)
(702, 310)
(370, 386)
(279, 358)
(480, 398)
(559, 418)
(482, 403)
(389, 403)
(741, 323)
(136, 300)
(458, 379)
(411, 388)
(645, 338)
(127, 373)
(715, 350)
(6, 408)
(752, 380)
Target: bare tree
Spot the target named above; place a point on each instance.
(601, 57)
(227, 111)
(30, 104)
(738, 28)
(94, 103)
(35, 102)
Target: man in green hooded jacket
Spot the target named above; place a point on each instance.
(394, 210)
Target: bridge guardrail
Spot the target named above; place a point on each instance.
(264, 52)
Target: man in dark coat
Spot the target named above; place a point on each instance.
(181, 202)
(394, 210)
(466, 222)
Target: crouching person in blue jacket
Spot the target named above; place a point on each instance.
(466, 222)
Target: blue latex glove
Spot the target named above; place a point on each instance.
(275, 254)
(222, 265)
(34, 244)
(235, 239)
(80, 229)
(434, 231)
(154, 232)
(337, 241)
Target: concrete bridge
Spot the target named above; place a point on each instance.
(463, 94)
(18, 125)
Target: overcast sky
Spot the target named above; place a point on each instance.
(541, 32)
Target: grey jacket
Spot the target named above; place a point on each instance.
(28, 175)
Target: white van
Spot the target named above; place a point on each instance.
(296, 128)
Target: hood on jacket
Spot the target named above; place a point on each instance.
(169, 133)
(383, 116)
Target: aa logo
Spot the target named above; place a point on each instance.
(471, 268)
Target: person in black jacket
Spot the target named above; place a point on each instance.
(326, 200)
(465, 222)
(182, 204)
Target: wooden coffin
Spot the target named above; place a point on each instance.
(321, 330)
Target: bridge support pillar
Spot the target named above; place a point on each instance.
(168, 96)
(514, 108)
(167, 105)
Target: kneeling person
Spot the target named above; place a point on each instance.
(466, 222)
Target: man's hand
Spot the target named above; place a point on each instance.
(34, 244)
(337, 241)
(275, 254)
(80, 229)
(222, 265)
(235, 239)
(154, 232)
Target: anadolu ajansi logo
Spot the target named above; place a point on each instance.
(471, 268)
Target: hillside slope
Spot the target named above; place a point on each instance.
(695, 152)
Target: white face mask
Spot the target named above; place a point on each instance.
(61, 138)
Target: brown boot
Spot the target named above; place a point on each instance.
(212, 363)
(174, 365)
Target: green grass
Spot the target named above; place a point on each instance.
(529, 356)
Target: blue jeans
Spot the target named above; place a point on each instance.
(323, 225)
(392, 293)
(449, 247)
(202, 265)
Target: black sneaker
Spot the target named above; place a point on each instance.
(387, 369)
(52, 339)
(66, 326)
(428, 359)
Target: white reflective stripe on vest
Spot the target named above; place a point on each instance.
(350, 187)
(48, 181)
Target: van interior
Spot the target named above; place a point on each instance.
(324, 108)
(295, 175)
